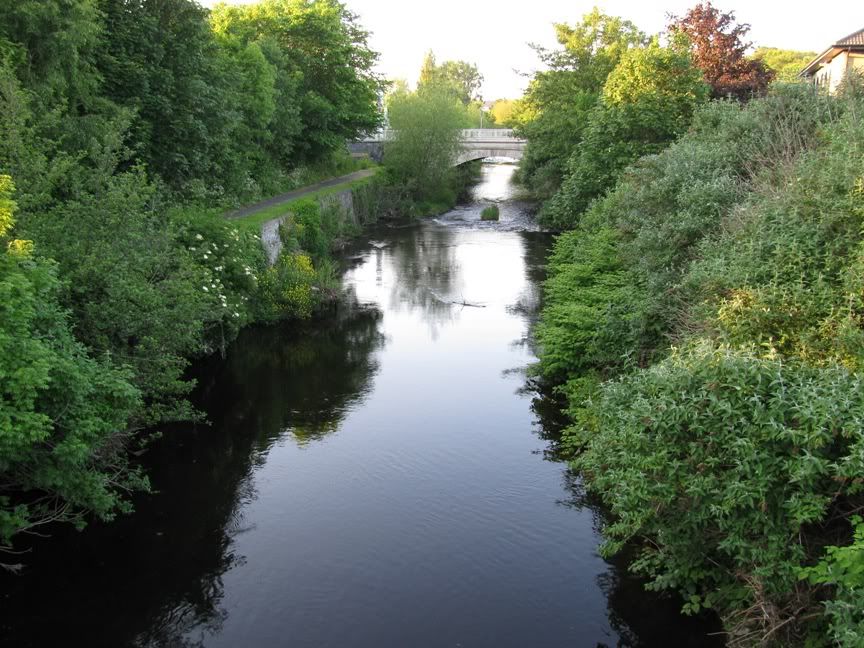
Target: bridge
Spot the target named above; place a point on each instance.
(476, 144)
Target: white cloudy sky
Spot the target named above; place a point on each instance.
(495, 35)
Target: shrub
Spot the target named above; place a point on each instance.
(722, 463)
(287, 289)
(647, 101)
(63, 414)
(842, 569)
(489, 213)
(734, 460)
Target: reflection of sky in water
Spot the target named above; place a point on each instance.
(496, 183)
(427, 518)
(496, 187)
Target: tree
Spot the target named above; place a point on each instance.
(427, 127)
(464, 78)
(647, 101)
(719, 50)
(786, 64)
(320, 45)
(51, 46)
(161, 60)
(505, 112)
(460, 78)
(558, 100)
(429, 70)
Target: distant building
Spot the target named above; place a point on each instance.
(833, 65)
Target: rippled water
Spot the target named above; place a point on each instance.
(377, 478)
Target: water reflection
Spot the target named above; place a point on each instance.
(156, 578)
(424, 274)
(301, 382)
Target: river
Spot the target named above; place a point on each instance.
(378, 478)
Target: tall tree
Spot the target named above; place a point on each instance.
(558, 99)
(720, 51)
(161, 60)
(429, 70)
(427, 124)
(647, 101)
(51, 46)
(460, 78)
(321, 45)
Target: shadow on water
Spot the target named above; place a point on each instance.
(367, 480)
(155, 578)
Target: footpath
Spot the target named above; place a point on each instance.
(299, 193)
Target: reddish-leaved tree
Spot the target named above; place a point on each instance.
(719, 50)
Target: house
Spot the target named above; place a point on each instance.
(833, 65)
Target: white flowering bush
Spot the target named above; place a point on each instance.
(230, 261)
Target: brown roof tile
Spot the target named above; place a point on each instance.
(852, 40)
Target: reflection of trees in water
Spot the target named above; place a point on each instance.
(426, 273)
(303, 381)
(638, 617)
(155, 578)
(535, 249)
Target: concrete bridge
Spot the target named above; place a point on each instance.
(476, 144)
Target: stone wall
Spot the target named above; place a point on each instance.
(272, 242)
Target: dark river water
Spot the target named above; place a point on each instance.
(381, 477)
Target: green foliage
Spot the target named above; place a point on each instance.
(729, 461)
(126, 124)
(788, 276)
(489, 213)
(287, 289)
(592, 306)
(319, 45)
(724, 457)
(786, 64)
(647, 101)
(460, 79)
(50, 45)
(62, 414)
(428, 125)
(843, 569)
(558, 100)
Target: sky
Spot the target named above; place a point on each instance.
(495, 35)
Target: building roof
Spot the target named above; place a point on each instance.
(854, 41)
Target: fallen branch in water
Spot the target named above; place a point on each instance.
(454, 302)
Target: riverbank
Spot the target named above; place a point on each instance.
(703, 319)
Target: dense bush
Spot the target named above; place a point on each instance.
(726, 460)
(63, 415)
(647, 101)
(489, 213)
(287, 288)
(733, 460)
(428, 124)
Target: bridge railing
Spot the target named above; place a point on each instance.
(488, 134)
(468, 135)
